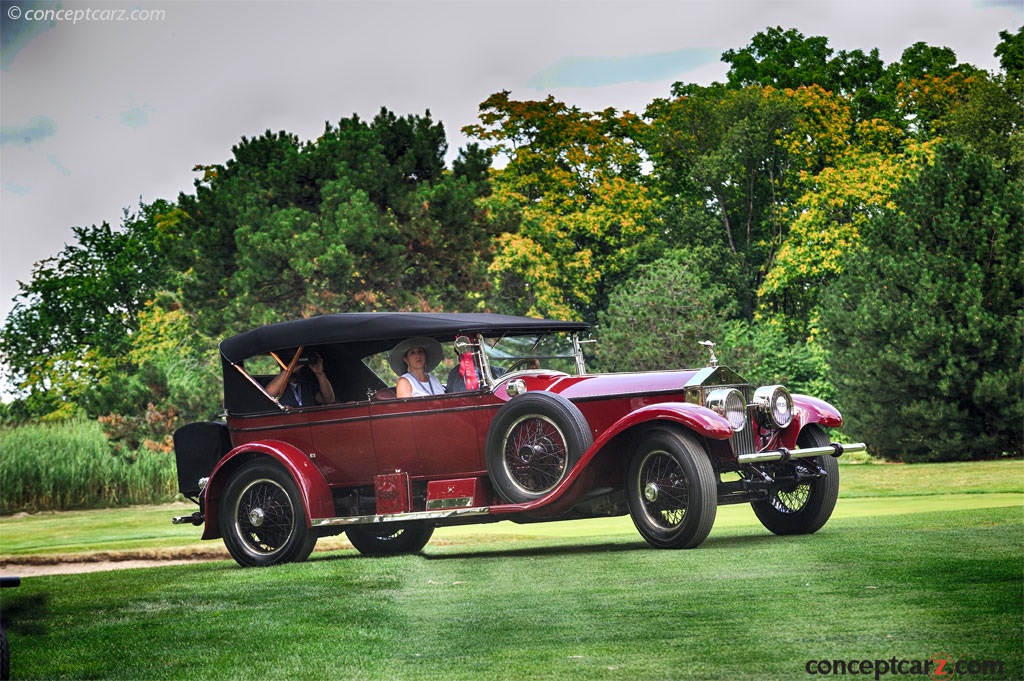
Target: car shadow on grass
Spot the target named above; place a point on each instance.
(534, 551)
(531, 549)
(25, 613)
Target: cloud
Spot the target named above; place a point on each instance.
(37, 129)
(602, 71)
(19, 189)
(137, 116)
(52, 158)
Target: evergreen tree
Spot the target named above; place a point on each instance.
(657, 319)
(365, 217)
(925, 323)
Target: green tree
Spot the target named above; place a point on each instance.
(170, 376)
(571, 212)
(838, 204)
(263, 174)
(989, 115)
(786, 59)
(75, 318)
(657, 319)
(719, 159)
(1010, 51)
(364, 216)
(925, 322)
(765, 354)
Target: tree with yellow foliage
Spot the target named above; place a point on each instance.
(576, 214)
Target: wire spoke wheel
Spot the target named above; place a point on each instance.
(533, 443)
(262, 518)
(791, 500)
(389, 538)
(665, 495)
(671, 489)
(535, 454)
(804, 506)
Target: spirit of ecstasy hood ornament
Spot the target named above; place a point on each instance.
(713, 361)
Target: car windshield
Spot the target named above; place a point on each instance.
(551, 351)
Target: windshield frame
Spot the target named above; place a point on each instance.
(571, 352)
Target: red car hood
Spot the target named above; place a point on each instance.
(604, 385)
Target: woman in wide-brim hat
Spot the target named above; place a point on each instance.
(413, 360)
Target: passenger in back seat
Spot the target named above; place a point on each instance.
(307, 386)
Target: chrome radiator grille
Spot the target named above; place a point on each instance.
(743, 441)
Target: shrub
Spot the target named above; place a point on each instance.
(762, 353)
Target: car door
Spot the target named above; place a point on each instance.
(429, 437)
(343, 443)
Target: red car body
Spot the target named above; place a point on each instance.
(527, 445)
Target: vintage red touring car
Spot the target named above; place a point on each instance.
(512, 427)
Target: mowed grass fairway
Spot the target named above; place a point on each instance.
(917, 569)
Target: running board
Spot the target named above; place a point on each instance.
(444, 514)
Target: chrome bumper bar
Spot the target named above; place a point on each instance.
(196, 519)
(834, 449)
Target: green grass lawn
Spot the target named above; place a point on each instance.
(899, 572)
(866, 490)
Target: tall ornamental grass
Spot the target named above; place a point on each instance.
(70, 465)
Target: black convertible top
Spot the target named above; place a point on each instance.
(375, 331)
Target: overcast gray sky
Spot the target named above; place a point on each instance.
(106, 103)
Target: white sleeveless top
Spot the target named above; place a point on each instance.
(432, 386)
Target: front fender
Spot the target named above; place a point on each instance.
(807, 410)
(699, 419)
(317, 500)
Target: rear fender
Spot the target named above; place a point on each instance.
(317, 500)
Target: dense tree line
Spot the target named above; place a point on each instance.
(849, 227)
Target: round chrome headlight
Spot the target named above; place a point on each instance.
(774, 406)
(729, 403)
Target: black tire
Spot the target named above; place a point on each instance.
(390, 538)
(262, 518)
(805, 507)
(534, 441)
(671, 489)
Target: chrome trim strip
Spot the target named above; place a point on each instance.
(834, 449)
(400, 517)
(313, 411)
(449, 502)
(260, 429)
(433, 412)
